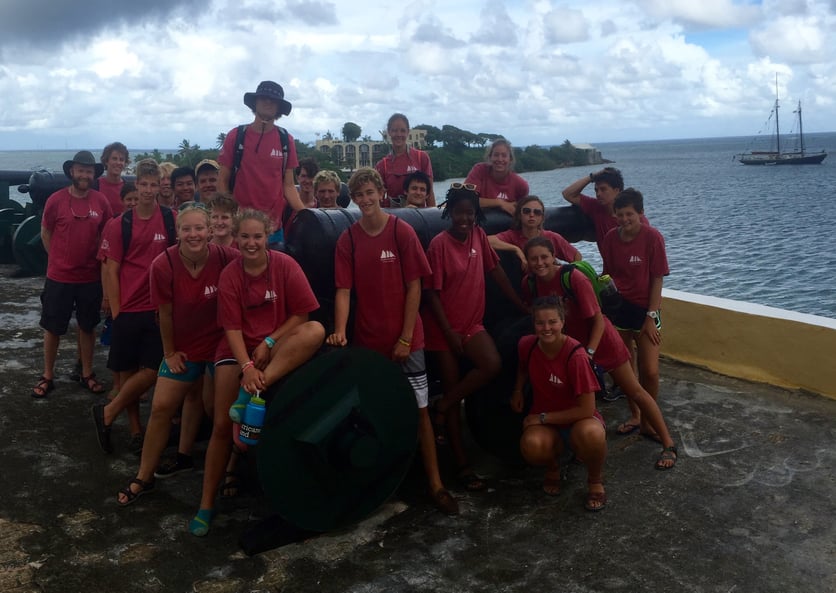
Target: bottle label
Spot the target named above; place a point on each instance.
(249, 434)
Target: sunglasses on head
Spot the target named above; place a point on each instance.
(467, 186)
(534, 211)
(192, 205)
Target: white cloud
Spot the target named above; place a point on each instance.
(537, 71)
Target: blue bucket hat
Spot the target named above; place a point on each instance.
(269, 90)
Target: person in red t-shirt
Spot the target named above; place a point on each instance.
(400, 162)
(563, 409)
(608, 184)
(381, 258)
(136, 349)
(184, 288)
(634, 255)
(72, 222)
(264, 180)
(114, 158)
(529, 215)
(263, 306)
(585, 323)
(495, 180)
(455, 296)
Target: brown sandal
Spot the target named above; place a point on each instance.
(43, 388)
(91, 384)
(595, 501)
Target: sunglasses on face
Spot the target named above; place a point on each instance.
(534, 211)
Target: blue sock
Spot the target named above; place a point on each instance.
(236, 411)
(199, 526)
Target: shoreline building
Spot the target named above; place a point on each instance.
(365, 153)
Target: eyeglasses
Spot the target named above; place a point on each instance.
(192, 205)
(467, 186)
(534, 211)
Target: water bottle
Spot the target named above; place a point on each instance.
(608, 293)
(253, 421)
(105, 337)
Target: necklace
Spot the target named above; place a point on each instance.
(200, 260)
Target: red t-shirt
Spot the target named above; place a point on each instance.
(458, 274)
(511, 188)
(394, 169)
(635, 263)
(563, 250)
(259, 182)
(76, 226)
(258, 305)
(602, 219)
(378, 269)
(557, 382)
(611, 351)
(148, 240)
(194, 301)
(113, 192)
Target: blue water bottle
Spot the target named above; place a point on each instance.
(105, 337)
(253, 421)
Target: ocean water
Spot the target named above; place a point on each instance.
(757, 234)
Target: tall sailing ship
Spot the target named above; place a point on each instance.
(780, 156)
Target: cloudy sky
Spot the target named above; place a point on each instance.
(152, 73)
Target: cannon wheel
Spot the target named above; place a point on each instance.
(27, 247)
(338, 439)
(9, 219)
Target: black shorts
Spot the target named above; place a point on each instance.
(628, 317)
(135, 342)
(59, 299)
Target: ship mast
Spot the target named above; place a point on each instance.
(777, 127)
(800, 128)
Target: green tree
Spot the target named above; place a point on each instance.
(219, 141)
(351, 131)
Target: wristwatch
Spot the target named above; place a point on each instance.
(590, 351)
(654, 315)
(542, 417)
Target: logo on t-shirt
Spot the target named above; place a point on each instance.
(502, 196)
(160, 237)
(554, 379)
(93, 213)
(276, 152)
(635, 260)
(105, 245)
(210, 291)
(411, 168)
(387, 256)
(473, 252)
(270, 295)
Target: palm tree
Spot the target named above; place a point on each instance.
(219, 141)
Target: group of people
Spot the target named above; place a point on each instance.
(207, 314)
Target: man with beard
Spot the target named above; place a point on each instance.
(72, 223)
(257, 160)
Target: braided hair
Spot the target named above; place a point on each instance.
(457, 195)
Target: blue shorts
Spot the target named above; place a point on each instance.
(194, 371)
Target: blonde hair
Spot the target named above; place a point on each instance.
(326, 176)
(500, 142)
(362, 176)
(252, 214)
(166, 169)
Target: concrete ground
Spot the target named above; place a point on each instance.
(749, 508)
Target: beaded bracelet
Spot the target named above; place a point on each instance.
(269, 341)
(247, 365)
(403, 342)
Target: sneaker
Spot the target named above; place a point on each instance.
(135, 446)
(613, 394)
(172, 467)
